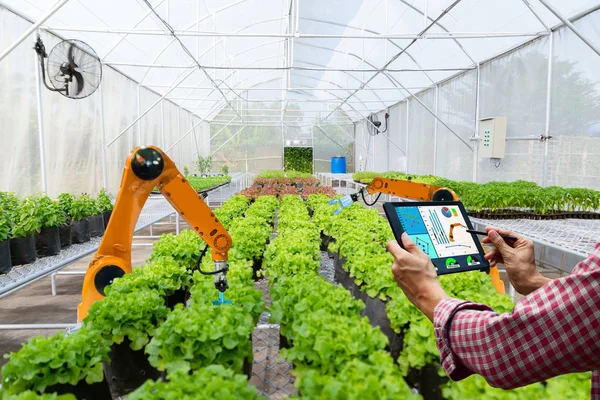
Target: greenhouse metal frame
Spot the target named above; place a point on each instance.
(212, 118)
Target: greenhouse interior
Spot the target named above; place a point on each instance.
(199, 199)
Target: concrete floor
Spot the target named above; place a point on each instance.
(35, 304)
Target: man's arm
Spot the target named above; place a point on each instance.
(553, 331)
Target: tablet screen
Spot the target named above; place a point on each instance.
(440, 231)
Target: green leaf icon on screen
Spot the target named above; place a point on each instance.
(451, 263)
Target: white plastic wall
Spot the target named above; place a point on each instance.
(514, 85)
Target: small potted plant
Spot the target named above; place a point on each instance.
(5, 263)
(95, 217)
(104, 203)
(81, 208)
(64, 231)
(22, 238)
(47, 241)
(225, 169)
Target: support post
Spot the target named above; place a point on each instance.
(40, 114)
(179, 134)
(103, 135)
(435, 129)
(548, 110)
(139, 122)
(476, 133)
(407, 132)
(162, 124)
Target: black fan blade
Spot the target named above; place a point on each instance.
(71, 59)
(80, 82)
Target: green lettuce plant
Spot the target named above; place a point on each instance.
(476, 388)
(241, 293)
(201, 335)
(327, 342)
(29, 395)
(297, 295)
(59, 359)
(134, 315)
(373, 378)
(163, 275)
(212, 382)
(184, 249)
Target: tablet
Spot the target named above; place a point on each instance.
(439, 229)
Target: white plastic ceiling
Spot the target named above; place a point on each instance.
(326, 70)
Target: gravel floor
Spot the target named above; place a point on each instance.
(326, 269)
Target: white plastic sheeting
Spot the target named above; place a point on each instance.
(282, 68)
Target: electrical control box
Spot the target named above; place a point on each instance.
(492, 133)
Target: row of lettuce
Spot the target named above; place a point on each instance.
(506, 196)
(337, 353)
(359, 236)
(39, 226)
(200, 347)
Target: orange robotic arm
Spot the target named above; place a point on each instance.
(146, 168)
(413, 191)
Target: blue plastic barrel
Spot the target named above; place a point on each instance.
(338, 165)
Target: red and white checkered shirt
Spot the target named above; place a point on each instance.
(554, 330)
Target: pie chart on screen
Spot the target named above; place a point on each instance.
(446, 212)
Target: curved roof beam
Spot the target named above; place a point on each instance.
(214, 45)
(273, 42)
(307, 93)
(373, 32)
(317, 79)
(353, 77)
(439, 25)
(539, 18)
(235, 55)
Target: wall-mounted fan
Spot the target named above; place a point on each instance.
(74, 69)
(374, 125)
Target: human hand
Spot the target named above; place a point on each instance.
(415, 274)
(518, 257)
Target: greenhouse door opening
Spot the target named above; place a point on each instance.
(298, 159)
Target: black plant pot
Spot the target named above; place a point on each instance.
(22, 250)
(256, 267)
(96, 225)
(94, 391)
(80, 231)
(128, 369)
(106, 217)
(64, 231)
(180, 296)
(5, 263)
(430, 383)
(47, 242)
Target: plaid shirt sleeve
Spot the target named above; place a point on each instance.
(554, 330)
